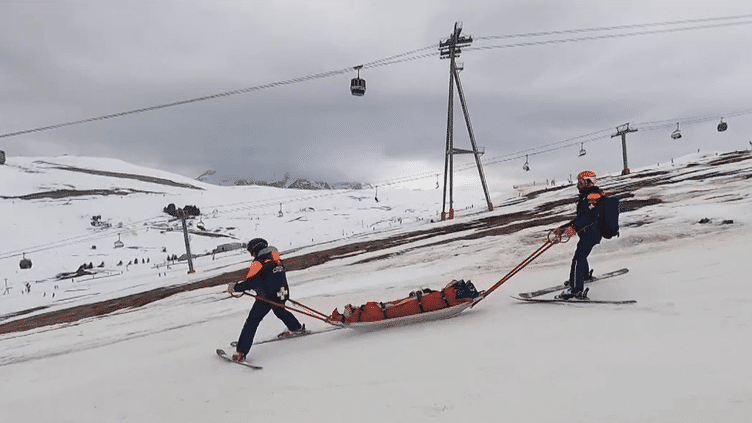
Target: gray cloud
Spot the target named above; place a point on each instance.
(66, 61)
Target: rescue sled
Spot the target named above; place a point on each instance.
(420, 306)
(444, 313)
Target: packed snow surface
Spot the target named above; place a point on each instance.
(679, 354)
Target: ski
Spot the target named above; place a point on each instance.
(280, 337)
(528, 295)
(221, 353)
(288, 334)
(573, 301)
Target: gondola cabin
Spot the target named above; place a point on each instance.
(358, 87)
(25, 263)
(722, 126)
(358, 84)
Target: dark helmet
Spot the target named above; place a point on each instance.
(255, 245)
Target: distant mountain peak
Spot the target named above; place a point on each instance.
(287, 181)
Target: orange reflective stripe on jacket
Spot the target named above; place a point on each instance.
(253, 269)
(594, 197)
(256, 266)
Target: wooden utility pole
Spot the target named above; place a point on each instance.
(181, 213)
(623, 130)
(451, 49)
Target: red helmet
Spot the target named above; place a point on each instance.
(587, 175)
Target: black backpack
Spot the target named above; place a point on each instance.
(609, 217)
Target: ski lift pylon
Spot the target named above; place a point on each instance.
(358, 85)
(722, 126)
(676, 134)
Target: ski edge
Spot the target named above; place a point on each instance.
(223, 355)
(572, 301)
(310, 332)
(560, 287)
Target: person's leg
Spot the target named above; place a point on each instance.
(287, 318)
(580, 267)
(258, 311)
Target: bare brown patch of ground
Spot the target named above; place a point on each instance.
(482, 227)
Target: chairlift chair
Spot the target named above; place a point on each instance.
(526, 166)
(722, 126)
(676, 134)
(119, 243)
(358, 85)
(582, 150)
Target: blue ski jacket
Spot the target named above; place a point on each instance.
(266, 276)
(586, 223)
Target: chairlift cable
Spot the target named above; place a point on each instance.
(600, 37)
(403, 57)
(610, 28)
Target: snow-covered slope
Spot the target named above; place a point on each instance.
(678, 354)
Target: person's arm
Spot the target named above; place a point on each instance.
(251, 281)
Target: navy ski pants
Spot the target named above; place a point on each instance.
(259, 310)
(580, 268)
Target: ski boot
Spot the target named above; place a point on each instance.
(293, 333)
(582, 295)
(238, 356)
(566, 294)
(569, 294)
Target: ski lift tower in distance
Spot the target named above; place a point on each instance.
(623, 130)
(451, 49)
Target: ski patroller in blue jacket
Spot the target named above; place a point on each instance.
(586, 223)
(266, 276)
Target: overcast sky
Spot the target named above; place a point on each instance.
(63, 61)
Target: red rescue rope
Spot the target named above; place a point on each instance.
(551, 240)
(308, 311)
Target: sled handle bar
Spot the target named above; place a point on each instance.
(307, 310)
(551, 240)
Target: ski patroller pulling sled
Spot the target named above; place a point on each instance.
(339, 321)
(421, 309)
